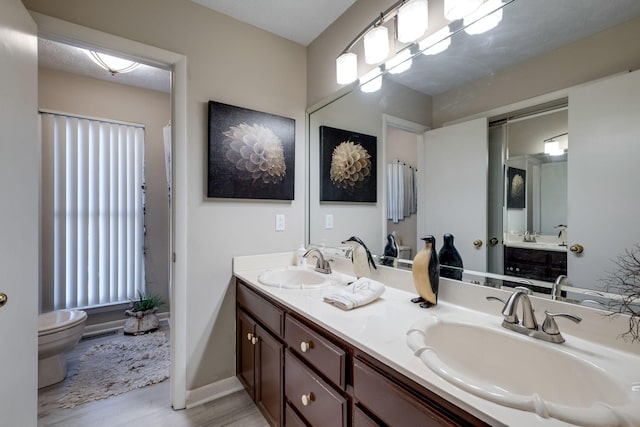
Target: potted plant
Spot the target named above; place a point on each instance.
(141, 315)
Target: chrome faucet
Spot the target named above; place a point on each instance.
(548, 331)
(556, 288)
(322, 265)
(510, 309)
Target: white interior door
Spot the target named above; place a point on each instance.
(19, 226)
(453, 198)
(603, 176)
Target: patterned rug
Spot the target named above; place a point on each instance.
(125, 363)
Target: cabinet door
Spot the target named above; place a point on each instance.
(603, 178)
(245, 351)
(269, 387)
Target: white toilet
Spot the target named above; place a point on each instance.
(58, 332)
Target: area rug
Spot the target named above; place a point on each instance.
(120, 365)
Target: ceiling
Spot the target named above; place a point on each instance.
(298, 20)
(529, 28)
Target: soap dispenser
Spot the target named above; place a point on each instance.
(300, 255)
(426, 275)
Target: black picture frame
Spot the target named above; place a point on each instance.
(349, 178)
(516, 188)
(251, 154)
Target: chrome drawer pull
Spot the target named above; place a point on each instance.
(307, 398)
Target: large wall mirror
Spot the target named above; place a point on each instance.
(531, 189)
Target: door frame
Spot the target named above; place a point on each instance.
(389, 121)
(77, 35)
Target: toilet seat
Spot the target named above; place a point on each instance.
(56, 321)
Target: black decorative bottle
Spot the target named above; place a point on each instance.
(426, 274)
(450, 259)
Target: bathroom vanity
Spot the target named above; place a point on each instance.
(289, 363)
(537, 264)
(306, 362)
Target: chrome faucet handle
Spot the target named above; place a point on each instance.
(492, 298)
(551, 327)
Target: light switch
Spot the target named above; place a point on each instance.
(328, 221)
(279, 222)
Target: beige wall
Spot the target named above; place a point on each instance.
(359, 112)
(238, 64)
(84, 96)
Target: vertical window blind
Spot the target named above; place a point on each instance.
(93, 211)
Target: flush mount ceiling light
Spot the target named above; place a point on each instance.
(485, 18)
(458, 9)
(112, 64)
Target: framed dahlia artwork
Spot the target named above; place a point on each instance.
(251, 154)
(347, 166)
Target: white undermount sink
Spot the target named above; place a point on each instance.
(301, 277)
(580, 383)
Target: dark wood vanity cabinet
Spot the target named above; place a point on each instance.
(260, 353)
(534, 264)
(301, 375)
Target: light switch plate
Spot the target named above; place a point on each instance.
(279, 222)
(328, 221)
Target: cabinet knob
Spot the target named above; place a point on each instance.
(249, 336)
(305, 346)
(576, 248)
(307, 398)
(477, 243)
(493, 241)
(255, 340)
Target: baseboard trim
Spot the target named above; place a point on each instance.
(114, 326)
(212, 391)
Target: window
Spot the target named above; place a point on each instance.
(92, 211)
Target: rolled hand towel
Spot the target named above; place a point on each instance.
(361, 292)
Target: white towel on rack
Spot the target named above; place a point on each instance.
(361, 292)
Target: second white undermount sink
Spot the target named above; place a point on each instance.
(576, 385)
(301, 277)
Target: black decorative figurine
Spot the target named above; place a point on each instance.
(390, 251)
(426, 274)
(450, 259)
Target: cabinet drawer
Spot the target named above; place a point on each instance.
(322, 406)
(360, 419)
(291, 418)
(391, 403)
(326, 357)
(269, 315)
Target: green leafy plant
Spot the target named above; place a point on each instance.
(146, 301)
(625, 281)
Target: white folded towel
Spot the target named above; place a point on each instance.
(361, 292)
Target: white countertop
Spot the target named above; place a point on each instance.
(380, 330)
